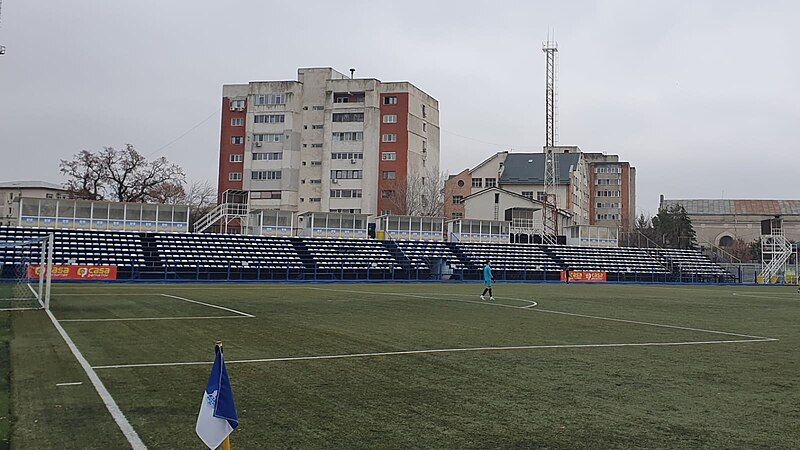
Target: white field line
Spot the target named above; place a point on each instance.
(788, 297)
(124, 319)
(20, 309)
(111, 405)
(209, 305)
(74, 383)
(427, 297)
(587, 316)
(435, 350)
(32, 291)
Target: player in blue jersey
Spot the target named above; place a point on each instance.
(487, 281)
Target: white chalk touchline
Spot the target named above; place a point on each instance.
(435, 350)
(111, 405)
(427, 297)
(74, 383)
(209, 305)
(124, 319)
(612, 319)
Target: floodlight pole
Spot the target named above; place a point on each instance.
(49, 275)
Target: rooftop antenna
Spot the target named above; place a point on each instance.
(550, 210)
(352, 73)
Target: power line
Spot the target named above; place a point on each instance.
(526, 146)
(194, 127)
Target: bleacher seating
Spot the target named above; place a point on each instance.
(349, 254)
(421, 252)
(689, 263)
(219, 256)
(605, 259)
(515, 257)
(80, 247)
(210, 251)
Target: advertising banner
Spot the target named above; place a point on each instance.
(77, 272)
(577, 276)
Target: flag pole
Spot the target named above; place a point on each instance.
(226, 444)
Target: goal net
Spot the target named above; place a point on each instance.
(25, 267)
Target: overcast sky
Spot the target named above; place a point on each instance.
(703, 98)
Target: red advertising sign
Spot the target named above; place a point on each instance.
(577, 276)
(78, 272)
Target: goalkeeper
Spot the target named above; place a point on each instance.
(487, 281)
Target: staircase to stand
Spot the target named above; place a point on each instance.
(305, 256)
(401, 258)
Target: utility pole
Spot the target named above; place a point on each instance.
(2, 47)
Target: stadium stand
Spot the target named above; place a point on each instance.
(619, 260)
(692, 263)
(79, 247)
(152, 255)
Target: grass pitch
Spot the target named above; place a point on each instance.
(411, 366)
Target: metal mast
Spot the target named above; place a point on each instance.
(2, 47)
(550, 213)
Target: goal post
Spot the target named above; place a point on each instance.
(25, 273)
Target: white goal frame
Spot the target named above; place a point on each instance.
(44, 281)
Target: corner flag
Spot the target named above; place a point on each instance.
(217, 417)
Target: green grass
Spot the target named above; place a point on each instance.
(5, 378)
(732, 395)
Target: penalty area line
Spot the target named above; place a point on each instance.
(125, 319)
(208, 304)
(435, 350)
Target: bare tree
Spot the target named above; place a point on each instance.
(422, 194)
(202, 198)
(123, 175)
(86, 175)
(131, 176)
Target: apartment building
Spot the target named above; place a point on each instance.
(594, 188)
(326, 142)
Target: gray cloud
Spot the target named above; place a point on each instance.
(701, 97)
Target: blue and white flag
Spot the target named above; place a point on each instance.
(217, 417)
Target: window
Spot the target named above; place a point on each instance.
(389, 175)
(346, 174)
(390, 118)
(389, 156)
(490, 182)
(268, 137)
(345, 193)
(271, 99)
(316, 127)
(528, 194)
(236, 158)
(348, 97)
(347, 155)
(237, 104)
(318, 108)
(314, 199)
(261, 175)
(316, 163)
(349, 136)
(458, 215)
(237, 122)
(347, 210)
(390, 100)
(316, 145)
(314, 181)
(235, 176)
(348, 117)
(49, 195)
(477, 182)
(424, 112)
(460, 183)
(389, 138)
(541, 196)
(424, 126)
(458, 199)
(269, 118)
(274, 195)
(269, 156)
(387, 193)
(237, 140)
